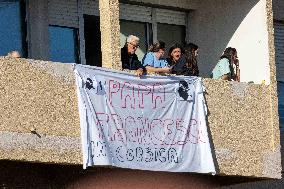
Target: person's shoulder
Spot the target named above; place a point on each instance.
(224, 61)
(123, 50)
(148, 58)
(170, 62)
(149, 55)
(182, 60)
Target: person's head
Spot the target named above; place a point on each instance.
(132, 44)
(230, 53)
(175, 52)
(14, 54)
(192, 49)
(191, 52)
(158, 48)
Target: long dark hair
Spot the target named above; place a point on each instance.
(174, 46)
(229, 53)
(157, 46)
(191, 60)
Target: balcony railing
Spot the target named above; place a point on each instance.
(40, 119)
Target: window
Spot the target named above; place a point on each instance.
(92, 35)
(171, 34)
(280, 88)
(279, 60)
(151, 24)
(134, 28)
(63, 44)
(12, 30)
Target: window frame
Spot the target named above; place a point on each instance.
(152, 25)
(132, 9)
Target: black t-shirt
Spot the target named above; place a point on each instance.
(180, 67)
(130, 62)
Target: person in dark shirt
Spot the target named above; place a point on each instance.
(128, 57)
(186, 62)
(174, 57)
(191, 53)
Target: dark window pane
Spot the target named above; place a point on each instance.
(92, 36)
(171, 34)
(63, 44)
(11, 29)
(280, 89)
(134, 28)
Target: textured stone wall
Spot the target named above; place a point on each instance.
(110, 41)
(244, 128)
(39, 112)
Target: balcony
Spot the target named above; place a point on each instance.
(40, 119)
(39, 106)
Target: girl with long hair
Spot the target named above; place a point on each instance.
(174, 54)
(186, 64)
(191, 53)
(227, 67)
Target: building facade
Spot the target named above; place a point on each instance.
(74, 32)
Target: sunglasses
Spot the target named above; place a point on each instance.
(134, 46)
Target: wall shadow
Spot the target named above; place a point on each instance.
(212, 26)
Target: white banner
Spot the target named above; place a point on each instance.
(151, 123)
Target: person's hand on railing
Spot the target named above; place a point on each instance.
(139, 72)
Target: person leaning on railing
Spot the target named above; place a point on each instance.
(174, 58)
(154, 61)
(227, 67)
(186, 63)
(129, 59)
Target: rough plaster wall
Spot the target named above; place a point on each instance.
(40, 97)
(43, 95)
(242, 128)
(273, 81)
(263, 121)
(214, 25)
(110, 31)
(278, 9)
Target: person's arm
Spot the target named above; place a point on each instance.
(225, 69)
(139, 71)
(225, 77)
(148, 62)
(139, 67)
(238, 71)
(158, 70)
(238, 75)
